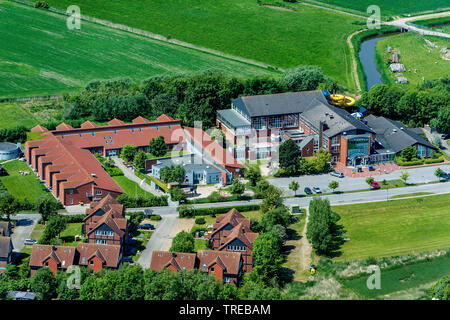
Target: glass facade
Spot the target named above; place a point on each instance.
(276, 122)
(291, 120)
(358, 146)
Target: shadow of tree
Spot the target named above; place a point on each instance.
(286, 275)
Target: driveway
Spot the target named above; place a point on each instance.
(23, 229)
(159, 239)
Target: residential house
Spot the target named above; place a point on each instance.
(51, 256)
(99, 256)
(6, 249)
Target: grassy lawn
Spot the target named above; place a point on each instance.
(241, 28)
(68, 235)
(170, 154)
(404, 278)
(15, 182)
(37, 231)
(45, 57)
(410, 195)
(389, 7)
(415, 54)
(292, 249)
(131, 188)
(141, 242)
(200, 244)
(15, 115)
(383, 229)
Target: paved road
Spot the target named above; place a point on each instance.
(416, 175)
(403, 23)
(23, 229)
(158, 239)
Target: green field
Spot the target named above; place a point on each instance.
(389, 7)
(15, 115)
(384, 229)
(415, 54)
(241, 28)
(45, 57)
(21, 186)
(68, 235)
(131, 188)
(403, 278)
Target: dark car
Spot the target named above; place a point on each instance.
(308, 190)
(446, 136)
(146, 226)
(127, 259)
(375, 185)
(371, 168)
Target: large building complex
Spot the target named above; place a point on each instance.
(65, 159)
(256, 125)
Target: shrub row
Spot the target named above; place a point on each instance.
(401, 161)
(188, 211)
(139, 202)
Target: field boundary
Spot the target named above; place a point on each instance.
(32, 98)
(159, 37)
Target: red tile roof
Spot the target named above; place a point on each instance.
(229, 261)
(62, 255)
(39, 128)
(239, 232)
(140, 120)
(108, 254)
(88, 124)
(64, 126)
(179, 260)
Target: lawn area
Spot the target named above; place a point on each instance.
(242, 28)
(15, 115)
(293, 250)
(170, 154)
(68, 235)
(37, 232)
(410, 195)
(415, 54)
(389, 7)
(200, 244)
(21, 186)
(45, 57)
(131, 188)
(404, 278)
(141, 243)
(384, 229)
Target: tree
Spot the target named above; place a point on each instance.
(333, 185)
(404, 176)
(409, 153)
(278, 216)
(370, 180)
(271, 199)
(158, 147)
(9, 205)
(128, 152)
(303, 78)
(321, 229)
(289, 154)
(47, 207)
(56, 224)
(139, 160)
(439, 173)
(44, 284)
(294, 186)
(321, 160)
(237, 187)
(183, 242)
(262, 186)
(266, 257)
(253, 175)
(177, 194)
(441, 289)
(436, 140)
(219, 136)
(172, 174)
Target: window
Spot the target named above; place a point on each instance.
(101, 241)
(259, 123)
(335, 141)
(212, 270)
(84, 260)
(91, 262)
(71, 191)
(98, 192)
(226, 279)
(276, 122)
(291, 120)
(71, 201)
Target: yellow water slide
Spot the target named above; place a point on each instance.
(341, 100)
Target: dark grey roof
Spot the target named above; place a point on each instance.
(336, 120)
(280, 103)
(233, 117)
(392, 137)
(22, 295)
(5, 245)
(189, 163)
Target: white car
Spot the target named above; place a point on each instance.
(317, 190)
(30, 241)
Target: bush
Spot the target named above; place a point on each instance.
(155, 217)
(199, 229)
(139, 202)
(187, 211)
(403, 162)
(77, 218)
(200, 221)
(41, 5)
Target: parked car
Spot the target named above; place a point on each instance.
(446, 136)
(308, 190)
(317, 190)
(375, 185)
(337, 174)
(127, 259)
(146, 226)
(30, 241)
(445, 176)
(371, 168)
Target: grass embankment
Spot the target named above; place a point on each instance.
(23, 186)
(131, 188)
(383, 229)
(438, 24)
(45, 57)
(421, 60)
(241, 28)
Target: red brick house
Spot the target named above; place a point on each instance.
(99, 256)
(6, 248)
(54, 257)
(232, 233)
(224, 266)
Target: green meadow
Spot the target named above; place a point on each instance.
(416, 55)
(45, 57)
(242, 28)
(399, 227)
(13, 114)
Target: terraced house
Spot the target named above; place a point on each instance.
(64, 159)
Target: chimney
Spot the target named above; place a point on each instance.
(173, 255)
(53, 247)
